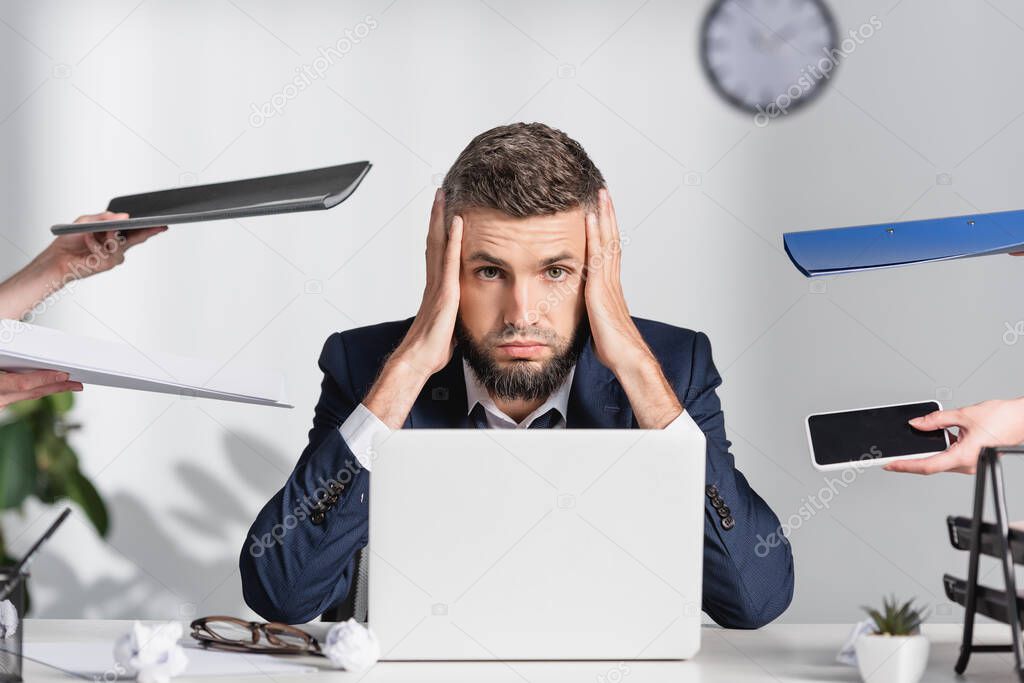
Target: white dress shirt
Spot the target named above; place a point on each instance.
(362, 425)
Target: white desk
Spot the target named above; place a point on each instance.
(781, 653)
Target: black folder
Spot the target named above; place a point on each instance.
(313, 190)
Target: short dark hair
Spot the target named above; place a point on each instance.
(522, 169)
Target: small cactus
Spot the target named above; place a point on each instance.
(896, 619)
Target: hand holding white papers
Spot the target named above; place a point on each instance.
(25, 347)
(31, 385)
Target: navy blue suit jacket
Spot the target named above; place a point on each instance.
(296, 565)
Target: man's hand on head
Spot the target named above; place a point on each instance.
(617, 341)
(618, 344)
(430, 341)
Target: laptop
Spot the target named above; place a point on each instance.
(575, 544)
(314, 190)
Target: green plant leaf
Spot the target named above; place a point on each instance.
(61, 403)
(49, 488)
(25, 408)
(80, 490)
(896, 618)
(62, 459)
(877, 618)
(51, 483)
(17, 463)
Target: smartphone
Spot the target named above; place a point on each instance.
(872, 436)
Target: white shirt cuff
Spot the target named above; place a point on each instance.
(359, 431)
(362, 426)
(684, 421)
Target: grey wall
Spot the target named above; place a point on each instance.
(106, 98)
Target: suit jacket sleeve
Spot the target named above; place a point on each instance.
(293, 568)
(744, 587)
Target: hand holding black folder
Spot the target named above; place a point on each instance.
(314, 190)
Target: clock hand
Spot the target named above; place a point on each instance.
(786, 32)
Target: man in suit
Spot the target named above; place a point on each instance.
(523, 324)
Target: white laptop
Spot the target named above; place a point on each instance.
(536, 544)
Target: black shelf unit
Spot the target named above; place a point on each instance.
(995, 540)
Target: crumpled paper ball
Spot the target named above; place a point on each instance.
(848, 654)
(152, 653)
(351, 646)
(8, 620)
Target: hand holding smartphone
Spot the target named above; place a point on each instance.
(872, 436)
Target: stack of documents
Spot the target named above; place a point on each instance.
(114, 364)
(884, 245)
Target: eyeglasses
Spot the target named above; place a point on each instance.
(239, 635)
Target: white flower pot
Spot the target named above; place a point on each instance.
(891, 659)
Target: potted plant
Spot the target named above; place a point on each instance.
(896, 652)
(37, 460)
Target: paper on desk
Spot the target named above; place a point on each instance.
(96, 661)
(122, 365)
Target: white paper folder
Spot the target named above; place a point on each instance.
(116, 364)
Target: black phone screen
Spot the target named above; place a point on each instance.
(872, 433)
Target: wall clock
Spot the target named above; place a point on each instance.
(763, 52)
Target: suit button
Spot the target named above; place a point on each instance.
(711, 490)
(728, 523)
(723, 512)
(317, 517)
(718, 502)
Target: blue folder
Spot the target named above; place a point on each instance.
(885, 245)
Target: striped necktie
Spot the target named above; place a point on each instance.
(478, 418)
